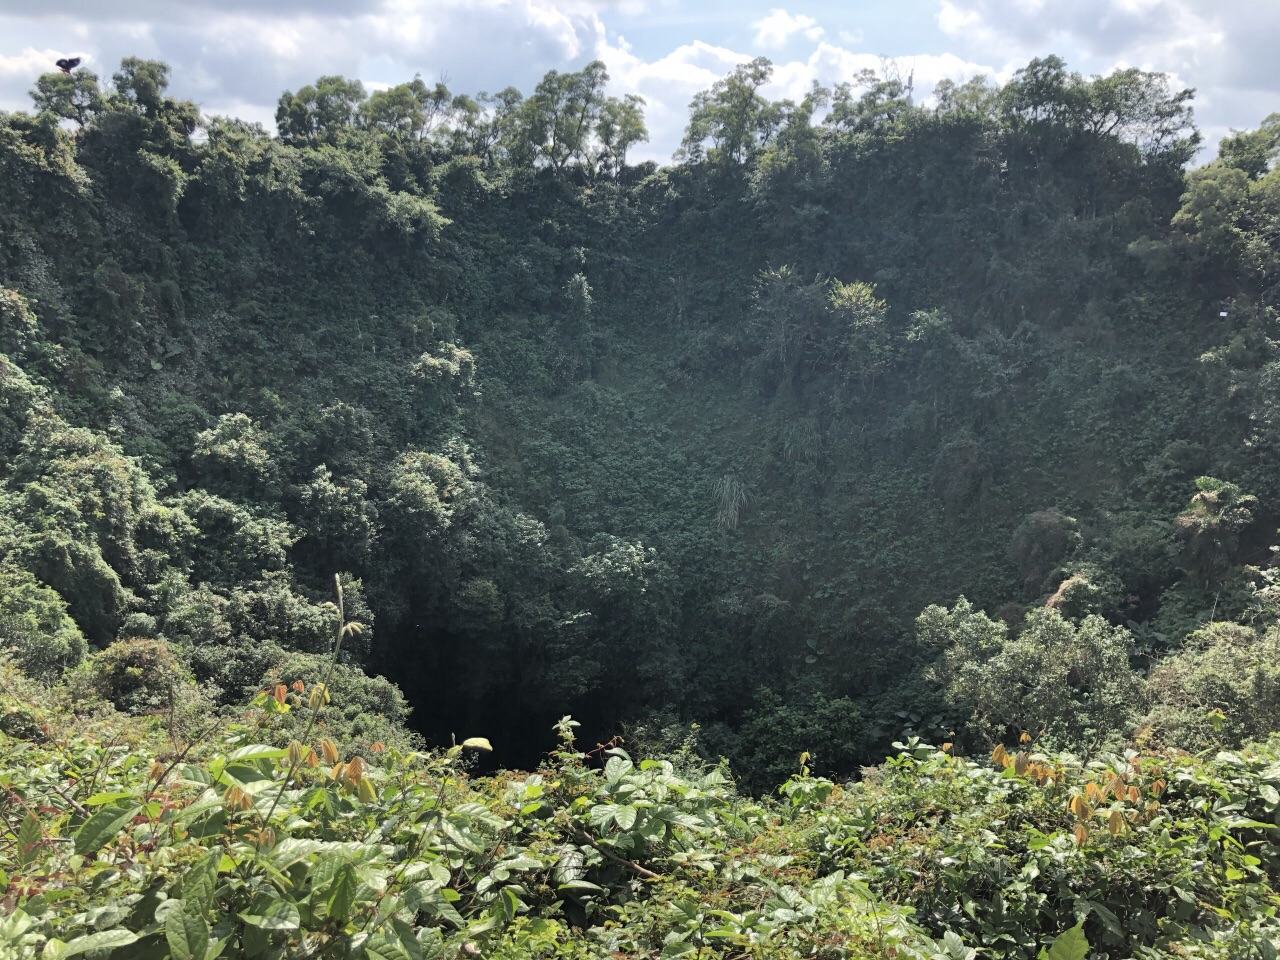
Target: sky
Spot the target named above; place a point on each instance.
(235, 57)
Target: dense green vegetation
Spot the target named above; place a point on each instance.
(145, 838)
(864, 421)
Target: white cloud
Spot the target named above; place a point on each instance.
(1224, 50)
(776, 30)
(27, 64)
(667, 85)
(237, 56)
(671, 81)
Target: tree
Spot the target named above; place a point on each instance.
(504, 136)
(1230, 215)
(884, 101)
(321, 112)
(1253, 151)
(560, 118)
(74, 96)
(1131, 105)
(620, 127)
(35, 628)
(1070, 683)
(1211, 526)
(141, 84)
(410, 110)
(732, 122)
(868, 346)
(788, 318)
(1226, 673)
(233, 458)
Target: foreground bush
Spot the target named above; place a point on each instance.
(117, 840)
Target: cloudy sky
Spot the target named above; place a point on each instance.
(236, 56)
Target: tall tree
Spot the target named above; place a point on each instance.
(620, 127)
(321, 112)
(69, 96)
(561, 115)
(732, 121)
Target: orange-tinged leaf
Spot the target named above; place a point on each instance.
(1000, 755)
(1118, 788)
(280, 692)
(319, 695)
(1021, 762)
(1025, 738)
(1081, 833)
(236, 799)
(377, 747)
(1115, 823)
(1133, 795)
(1079, 807)
(311, 760)
(329, 750)
(1158, 787)
(299, 686)
(297, 753)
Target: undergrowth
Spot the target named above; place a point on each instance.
(120, 839)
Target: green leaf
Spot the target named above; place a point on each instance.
(408, 941)
(201, 881)
(187, 933)
(1072, 945)
(625, 816)
(617, 768)
(98, 799)
(258, 751)
(101, 828)
(106, 940)
(342, 895)
(584, 885)
(29, 837)
(280, 915)
(478, 743)
(955, 946)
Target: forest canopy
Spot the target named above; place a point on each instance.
(651, 445)
(342, 463)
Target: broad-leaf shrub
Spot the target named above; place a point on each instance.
(117, 840)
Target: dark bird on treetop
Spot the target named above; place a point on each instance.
(67, 65)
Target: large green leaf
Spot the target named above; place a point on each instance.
(201, 881)
(617, 768)
(279, 915)
(29, 837)
(342, 895)
(101, 828)
(98, 799)
(1072, 945)
(258, 752)
(187, 933)
(104, 940)
(625, 816)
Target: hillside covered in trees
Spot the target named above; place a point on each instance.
(865, 427)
